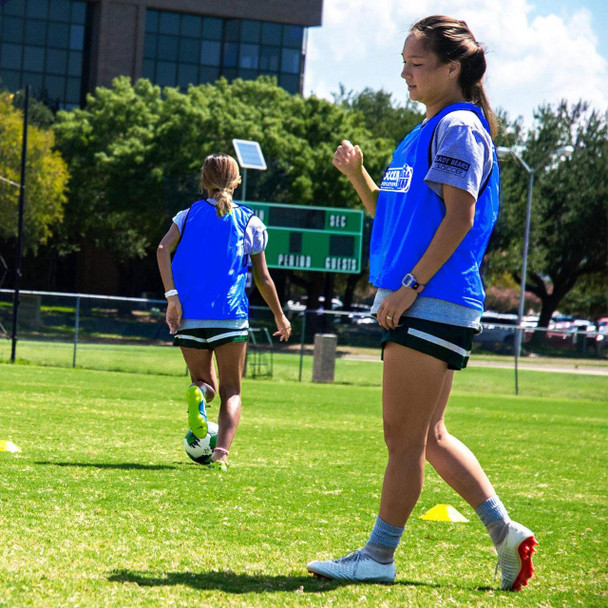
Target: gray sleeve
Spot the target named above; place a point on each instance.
(462, 154)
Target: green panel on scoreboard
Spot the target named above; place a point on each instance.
(302, 237)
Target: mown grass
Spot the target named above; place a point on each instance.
(103, 508)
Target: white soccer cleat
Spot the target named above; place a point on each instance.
(515, 557)
(356, 567)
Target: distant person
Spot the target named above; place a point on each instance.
(207, 307)
(433, 215)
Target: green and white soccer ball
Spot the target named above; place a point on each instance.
(200, 450)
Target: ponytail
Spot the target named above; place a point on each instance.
(223, 200)
(473, 68)
(220, 177)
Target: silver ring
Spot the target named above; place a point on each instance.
(389, 317)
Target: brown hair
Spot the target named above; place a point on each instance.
(220, 176)
(452, 40)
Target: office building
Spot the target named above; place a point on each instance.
(65, 48)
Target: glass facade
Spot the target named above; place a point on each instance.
(181, 49)
(46, 44)
(42, 44)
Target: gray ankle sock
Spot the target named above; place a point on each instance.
(383, 541)
(495, 518)
(379, 553)
(498, 531)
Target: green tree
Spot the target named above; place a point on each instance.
(589, 297)
(39, 114)
(116, 190)
(298, 137)
(569, 230)
(46, 179)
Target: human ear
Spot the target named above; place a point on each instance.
(453, 69)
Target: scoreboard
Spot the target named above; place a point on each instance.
(300, 237)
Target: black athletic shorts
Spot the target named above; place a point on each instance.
(450, 343)
(208, 338)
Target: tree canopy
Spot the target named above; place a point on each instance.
(46, 178)
(569, 228)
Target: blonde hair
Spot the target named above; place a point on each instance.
(220, 176)
(452, 40)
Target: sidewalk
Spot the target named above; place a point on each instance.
(563, 368)
(560, 366)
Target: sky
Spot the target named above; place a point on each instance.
(538, 51)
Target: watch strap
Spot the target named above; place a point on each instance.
(409, 280)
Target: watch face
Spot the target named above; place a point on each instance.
(408, 280)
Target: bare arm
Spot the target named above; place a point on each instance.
(163, 257)
(267, 289)
(458, 220)
(348, 159)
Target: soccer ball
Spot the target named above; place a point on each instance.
(201, 450)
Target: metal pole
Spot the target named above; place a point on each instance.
(76, 328)
(244, 184)
(563, 152)
(524, 273)
(302, 344)
(20, 228)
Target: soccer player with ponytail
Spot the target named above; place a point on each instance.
(433, 214)
(207, 306)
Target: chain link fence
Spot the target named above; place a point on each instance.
(129, 334)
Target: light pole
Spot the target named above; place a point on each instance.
(502, 152)
(21, 187)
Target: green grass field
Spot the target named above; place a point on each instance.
(103, 508)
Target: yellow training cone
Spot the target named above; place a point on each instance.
(444, 513)
(8, 446)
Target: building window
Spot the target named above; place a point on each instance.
(182, 49)
(210, 52)
(42, 43)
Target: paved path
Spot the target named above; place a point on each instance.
(576, 368)
(570, 368)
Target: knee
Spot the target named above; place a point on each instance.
(435, 439)
(210, 391)
(230, 393)
(402, 441)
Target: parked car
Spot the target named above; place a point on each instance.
(530, 321)
(498, 331)
(601, 336)
(567, 333)
(300, 305)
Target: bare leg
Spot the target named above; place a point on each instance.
(454, 462)
(230, 363)
(412, 385)
(202, 372)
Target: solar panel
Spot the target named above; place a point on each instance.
(249, 154)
